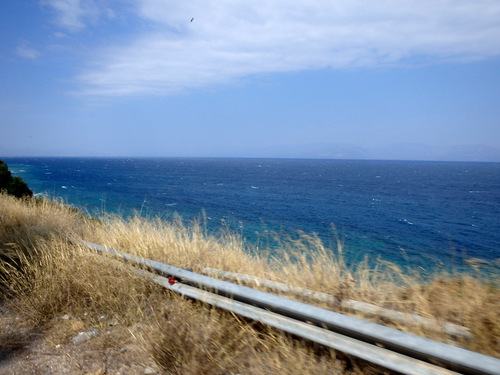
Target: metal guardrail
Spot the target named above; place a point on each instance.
(357, 306)
(410, 346)
(359, 349)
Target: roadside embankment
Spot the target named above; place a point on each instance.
(53, 289)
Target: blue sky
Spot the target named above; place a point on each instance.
(389, 79)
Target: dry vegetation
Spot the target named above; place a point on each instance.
(52, 289)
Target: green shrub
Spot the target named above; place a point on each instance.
(13, 185)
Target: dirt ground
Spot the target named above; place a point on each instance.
(25, 350)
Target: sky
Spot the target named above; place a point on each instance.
(362, 79)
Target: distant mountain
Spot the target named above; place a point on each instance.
(407, 151)
(473, 153)
(335, 150)
(411, 151)
(309, 151)
(328, 151)
(399, 151)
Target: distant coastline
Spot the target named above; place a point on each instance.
(325, 151)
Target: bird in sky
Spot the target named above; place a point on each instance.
(192, 19)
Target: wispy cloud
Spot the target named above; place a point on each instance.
(73, 15)
(26, 51)
(230, 39)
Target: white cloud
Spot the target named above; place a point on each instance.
(73, 15)
(230, 39)
(26, 51)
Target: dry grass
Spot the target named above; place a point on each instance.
(44, 278)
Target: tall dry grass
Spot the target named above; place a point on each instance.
(46, 276)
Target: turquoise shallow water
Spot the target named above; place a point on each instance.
(421, 214)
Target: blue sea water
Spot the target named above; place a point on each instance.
(418, 214)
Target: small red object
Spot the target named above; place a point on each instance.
(171, 280)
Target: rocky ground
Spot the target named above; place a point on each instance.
(113, 349)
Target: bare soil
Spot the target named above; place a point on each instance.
(29, 350)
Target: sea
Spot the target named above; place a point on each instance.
(416, 214)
